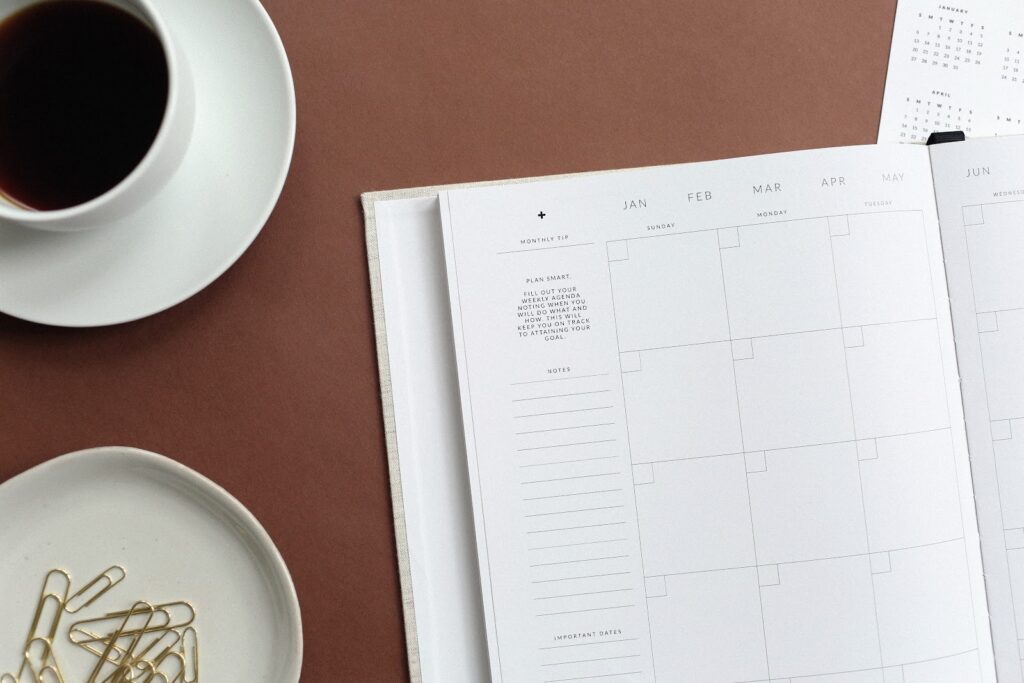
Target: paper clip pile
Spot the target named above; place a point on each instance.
(146, 643)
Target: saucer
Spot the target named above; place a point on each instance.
(178, 538)
(208, 213)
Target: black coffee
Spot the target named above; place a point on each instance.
(83, 88)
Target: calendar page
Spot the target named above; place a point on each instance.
(980, 189)
(955, 66)
(713, 424)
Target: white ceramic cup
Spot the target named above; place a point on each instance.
(156, 167)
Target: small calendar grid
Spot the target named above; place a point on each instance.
(954, 66)
(1011, 71)
(945, 41)
(925, 115)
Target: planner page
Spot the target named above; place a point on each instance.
(713, 425)
(955, 66)
(980, 189)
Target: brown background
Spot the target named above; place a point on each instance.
(267, 381)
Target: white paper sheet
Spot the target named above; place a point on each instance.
(442, 582)
(713, 424)
(955, 66)
(980, 190)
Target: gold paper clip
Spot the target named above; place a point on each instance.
(169, 668)
(41, 662)
(178, 615)
(51, 603)
(132, 623)
(51, 675)
(190, 649)
(122, 673)
(139, 608)
(95, 589)
(164, 642)
(89, 640)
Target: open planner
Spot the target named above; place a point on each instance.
(757, 419)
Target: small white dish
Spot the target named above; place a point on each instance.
(209, 212)
(178, 535)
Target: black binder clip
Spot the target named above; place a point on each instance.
(947, 136)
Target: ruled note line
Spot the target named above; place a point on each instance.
(573, 528)
(572, 545)
(564, 445)
(578, 578)
(569, 462)
(566, 429)
(577, 393)
(572, 478)
(558, 379)
(583, 611)
(577, 493)
(563, 412)
(588, 559)
(570, 512)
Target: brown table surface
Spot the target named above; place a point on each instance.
(267, 381)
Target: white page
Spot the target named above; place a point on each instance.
(955, 66)
(980, 189)
(445, 593)
(737, 453)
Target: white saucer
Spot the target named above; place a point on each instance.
(208, 214)
(178, 536)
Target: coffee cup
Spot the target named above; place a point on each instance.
(144, 169)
